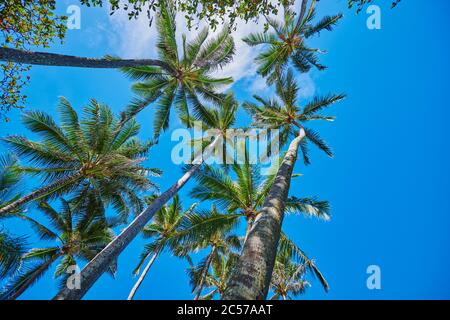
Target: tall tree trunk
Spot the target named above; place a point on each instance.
(101, 262)
(205, 273)
(144, 273)
(33, 277)
(39, 193)
(251, 277)
(60, 60)
(249, 228)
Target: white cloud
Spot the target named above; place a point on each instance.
(135, 39)
(306, 85)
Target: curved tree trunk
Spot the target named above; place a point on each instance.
(33, 277)
(97, 266)
(60, 60)
(251, 277)
(39, 193)
(143, 275)
(205, 273)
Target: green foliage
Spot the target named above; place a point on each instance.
(213, 12)
(359, 4)
(24, 24)
(77, 235)
(286, 42)
(188, 78)
(103, 149)
(11, 247)
(285, 114)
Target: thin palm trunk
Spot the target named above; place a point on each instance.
(101, 262)
(41, 192)
(144, 274)
(205, 273)
(251, 277)
(34, 276)
(60, 60)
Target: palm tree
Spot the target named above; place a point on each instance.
(289, 254)
(61, 60)
(260, 249)
(287, 43)
(77, 236)
(164, 227)
(97, 154)
(288, 278)
(220, 119)
(11, 247)
(216, 280)
(189, 76)
(207, 229)
(245, 195)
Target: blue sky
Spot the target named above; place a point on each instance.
(388, 183)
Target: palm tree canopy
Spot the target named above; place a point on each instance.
(285, 114)
(208, 229)
(105, 150)
(216, 280)
(246, 194)
(286, 42)
(189, 79)
(75, 236)
(163, 228)
(11, 247)
(288, 277)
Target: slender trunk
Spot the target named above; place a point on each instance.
(251, 277)
(205, 273)
(60, 60)
(39, 193)
(284, 297)
(249, 228)
(144, 273)
(33, 277)
(97, 266)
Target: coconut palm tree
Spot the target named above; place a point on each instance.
(216, 280)
(164, 226)
(260, 249)
(218, 120)
(287, 43)
(211, 230)
(77, 236)
(189, 77)
(245, 195)
(288, 278)
(98, 153)
(11, 247)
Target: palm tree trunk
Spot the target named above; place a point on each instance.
(205, 273)
(144, 273)
(53, 59)
(251, 277)
(249, 228)
(97, 266)
(39, 193)
(33, 277)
